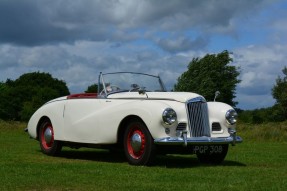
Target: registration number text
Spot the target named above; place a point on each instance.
(208, 149)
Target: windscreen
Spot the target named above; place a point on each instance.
(126, 81)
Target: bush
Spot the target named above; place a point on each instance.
(263, 115)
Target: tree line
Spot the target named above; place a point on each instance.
(20, 98)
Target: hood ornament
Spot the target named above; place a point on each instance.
(217, 93)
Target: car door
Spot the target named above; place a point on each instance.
(81, 119)
(93, 120)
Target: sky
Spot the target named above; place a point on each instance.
(75, 40)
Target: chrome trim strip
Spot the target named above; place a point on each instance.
(135, 98)
(198, 140)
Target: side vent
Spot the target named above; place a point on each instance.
(181, 127)
(216, 126)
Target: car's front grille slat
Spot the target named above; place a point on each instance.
(198, 118)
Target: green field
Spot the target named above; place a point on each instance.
(260, 163)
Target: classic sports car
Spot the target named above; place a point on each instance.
(133, 111)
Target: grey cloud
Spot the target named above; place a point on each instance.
(259, 89)
(33, 22)
(193, 13)
(250, 102)
(182, 44)
(9, 56)
(146, 55)
(36, 22)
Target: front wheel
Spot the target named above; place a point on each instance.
(215, 154)
(48, 145)
(138, 144)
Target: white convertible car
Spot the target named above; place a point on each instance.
(134, 111)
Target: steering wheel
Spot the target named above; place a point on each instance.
(134, 87)
(110, 88)
(114, 88)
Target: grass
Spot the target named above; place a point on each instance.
(275, 132)
(253, 165)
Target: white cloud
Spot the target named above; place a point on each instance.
(248, 79)
(75, 40)
(260, 67)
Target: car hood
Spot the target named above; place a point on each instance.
(175, 96)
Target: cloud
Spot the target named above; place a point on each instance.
(34, 22)
(182, 44)
(255, 101)
(80, 64)
(75, 40)
(260, 67)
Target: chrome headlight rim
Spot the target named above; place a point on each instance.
(231, 116)
(169, 116)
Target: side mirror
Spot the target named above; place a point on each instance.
(217, 93)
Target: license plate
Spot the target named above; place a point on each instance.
(208, 149)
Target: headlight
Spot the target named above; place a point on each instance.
(169, 116)
(231, 116)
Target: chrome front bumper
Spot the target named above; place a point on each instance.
(232, 139)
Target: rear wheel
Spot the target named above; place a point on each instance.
(211, 157)
(138, 144)
(48, 145)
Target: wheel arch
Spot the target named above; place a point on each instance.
(124, 123)
(42, 119)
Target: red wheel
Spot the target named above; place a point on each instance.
(138, 144)
(46, 137)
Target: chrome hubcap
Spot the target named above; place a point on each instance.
(136, 142)
(48, 135)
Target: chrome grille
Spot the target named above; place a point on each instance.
(198, 117)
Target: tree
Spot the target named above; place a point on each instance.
(279, 92)
(7, 109)
(210, 74)
(92, 89)
(21, 98)
(2, 86)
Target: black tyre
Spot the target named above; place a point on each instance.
(138, 144)
(48, 145)
(211, 157)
